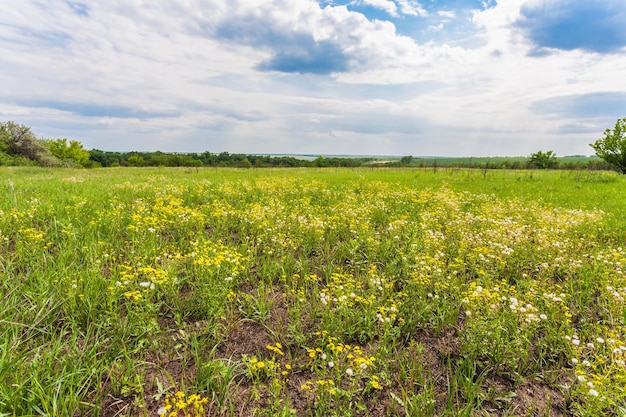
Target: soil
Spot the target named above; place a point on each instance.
(245, 336)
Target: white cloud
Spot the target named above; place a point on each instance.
(411, 7)
(290, 76)
(446, 13)
(395, 7)
(387, 6)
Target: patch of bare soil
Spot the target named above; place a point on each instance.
(437, 355)
(437, 351)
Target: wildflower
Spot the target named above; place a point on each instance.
(349, 372)
(600, 340)
(593, 393)
(575, 361)
(374, 383)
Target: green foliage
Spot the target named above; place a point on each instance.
(72, 152)
(406, 160)
(612, 147)
(543, 160)
(18, 146)
(135, 161)
(19, 140)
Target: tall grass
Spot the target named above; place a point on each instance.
(311, 292)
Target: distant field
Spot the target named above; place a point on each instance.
(312, 292)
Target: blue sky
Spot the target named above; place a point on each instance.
(380, 77)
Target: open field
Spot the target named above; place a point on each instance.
(312, 292)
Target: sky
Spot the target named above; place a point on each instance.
(332, 77)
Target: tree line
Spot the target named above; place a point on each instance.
(19, 146)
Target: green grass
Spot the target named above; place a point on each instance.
(312, 292)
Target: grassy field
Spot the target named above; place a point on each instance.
(319, 292)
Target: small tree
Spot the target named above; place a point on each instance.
(543, 160)
(612, 147)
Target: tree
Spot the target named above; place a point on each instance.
(612, 147)
(406, 160)
(135, 161)
(543, 160)
(74, 152)
(19, 140)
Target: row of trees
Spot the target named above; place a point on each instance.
(19, 146)
(224, 159)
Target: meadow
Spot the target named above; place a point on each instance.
(312, 292)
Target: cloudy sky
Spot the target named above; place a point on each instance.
(378, 77)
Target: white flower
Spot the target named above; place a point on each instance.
(331, 364)
(600, 340)
(593, 393)
(575, 361)
(543, 317)
(576, 342)
(349, 372)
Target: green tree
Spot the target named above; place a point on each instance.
(543, 160)
(406, 160)
(612, 147)
(72, 152)
(245, 163)
(135, 161)
(320, 162)
(19, 140)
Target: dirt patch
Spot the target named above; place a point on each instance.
(536, 398)
(246, 337)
